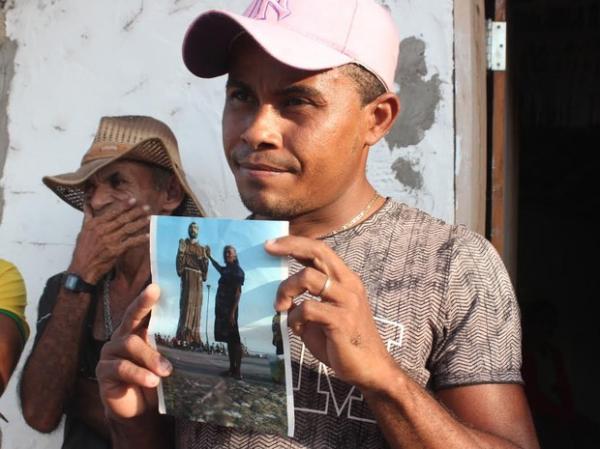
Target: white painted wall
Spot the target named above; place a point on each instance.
(79, 60)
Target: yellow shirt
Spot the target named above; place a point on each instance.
(13, 296)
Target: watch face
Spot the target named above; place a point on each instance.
(71, 282)
(74, 283)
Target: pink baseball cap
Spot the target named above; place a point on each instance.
(305, 34)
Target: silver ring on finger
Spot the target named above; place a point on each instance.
(326, 285)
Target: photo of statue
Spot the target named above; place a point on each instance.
(192, 268)
(214, 322)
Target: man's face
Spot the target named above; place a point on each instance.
(115, 184)
(193, 231)
(293, 139)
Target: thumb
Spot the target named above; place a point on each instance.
(87, 213)
(137, 314)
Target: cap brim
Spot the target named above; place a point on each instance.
(209, 38)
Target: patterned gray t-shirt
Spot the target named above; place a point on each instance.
(444, 307)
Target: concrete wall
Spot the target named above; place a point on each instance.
(65, 63)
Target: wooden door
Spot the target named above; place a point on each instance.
(470, 113)
(503, 167)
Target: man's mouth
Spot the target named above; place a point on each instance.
(262, 170)
(260, 167)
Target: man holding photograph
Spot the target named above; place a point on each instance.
(415, 341)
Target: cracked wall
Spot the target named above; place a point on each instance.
(419, 99)
(414, 164)
(8, 49)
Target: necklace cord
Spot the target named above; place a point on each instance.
(108, 325)
(354, 220)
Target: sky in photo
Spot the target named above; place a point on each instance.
(263, 273)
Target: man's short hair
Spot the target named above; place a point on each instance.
(368, 85)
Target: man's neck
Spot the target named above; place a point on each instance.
(333, 216)
(133, 267)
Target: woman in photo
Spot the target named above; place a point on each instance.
(226, 307)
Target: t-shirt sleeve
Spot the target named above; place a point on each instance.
(46, 304)
(13, 297)
(482, 331)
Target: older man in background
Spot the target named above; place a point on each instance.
(132, 170)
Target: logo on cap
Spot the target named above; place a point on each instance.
(258, 9)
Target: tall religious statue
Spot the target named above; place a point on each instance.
(192, 268)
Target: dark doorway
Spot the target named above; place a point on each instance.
(555, 74)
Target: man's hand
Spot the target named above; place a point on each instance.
(181, 245)
(129, 368)
(339, 330)
(104, 238)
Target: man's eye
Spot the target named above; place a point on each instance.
(115, 181)
(296, 101)
(239, 95)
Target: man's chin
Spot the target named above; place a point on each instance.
(272, 207)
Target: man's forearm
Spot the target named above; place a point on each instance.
(11, 345)
(50, 373)
(411, 418)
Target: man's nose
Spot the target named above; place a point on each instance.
(100, 198)
(263, 131)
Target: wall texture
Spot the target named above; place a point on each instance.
(65, 63)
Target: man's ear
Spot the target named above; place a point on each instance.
(381, 115)
(173, 196)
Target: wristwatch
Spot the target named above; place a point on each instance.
(74, 283)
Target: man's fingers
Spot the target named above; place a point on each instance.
(87, 213)
(122, 386)
(126, 216)
(312, 281)
(132, 242)
(311, 312)
(138, 310)
(122, 371)
(116, 209)
(135, 226)
(310, 253)
(135, 348)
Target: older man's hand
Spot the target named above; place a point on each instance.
(104, 238)
(339, 330)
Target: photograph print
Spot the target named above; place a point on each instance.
(216, 323)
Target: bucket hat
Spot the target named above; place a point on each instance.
(305, 34)
(132, 137)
